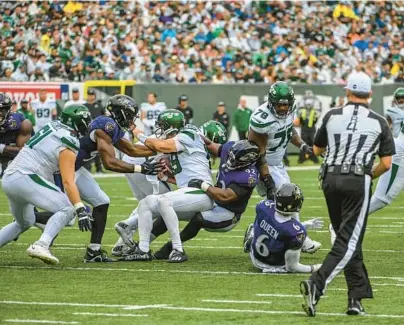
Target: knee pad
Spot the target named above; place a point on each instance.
(69, 212)
(148, 203)
(101, 199)
(163, 203)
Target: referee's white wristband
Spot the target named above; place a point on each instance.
(137, 168)
(204, 186)
(142, 138)
(79, 205)
(2, 146)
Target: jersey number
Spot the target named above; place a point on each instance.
(352, 123)
(152, 115)
(175, 164)
(41, 134)
(260, 246)
(285, 136)
(42, 112)
(261, 113)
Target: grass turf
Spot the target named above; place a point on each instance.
(217, 285)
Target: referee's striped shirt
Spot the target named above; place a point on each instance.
(354, 134)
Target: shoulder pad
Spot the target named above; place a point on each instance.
(262, 119)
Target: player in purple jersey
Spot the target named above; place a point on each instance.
(236, 180)
(15, 131)
(275, 239)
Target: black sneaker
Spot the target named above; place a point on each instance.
(99, 256)
(177, 257)
(355, 307)
(137, 255)
(248, 238)
(164, 252)
(309, 292)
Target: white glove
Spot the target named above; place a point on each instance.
(316, 267)
(313, 223)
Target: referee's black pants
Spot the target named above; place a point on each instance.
(347, 198)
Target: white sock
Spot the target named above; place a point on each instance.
(55, 224)
(94, 247)
(10, 232)
(145, 223)
(171, 220)
(375, 205)
(133, 220)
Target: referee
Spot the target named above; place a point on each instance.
(353, 135)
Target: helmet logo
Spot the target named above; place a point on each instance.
(273, 91)
(249, 157)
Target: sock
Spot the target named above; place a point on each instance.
(56, 224)
(375, 205)
(133, 219)
(10, 232)
(145, 224)
(94, 247)
(100, 220)
(159, 227)
(167, 211)
(192, 228)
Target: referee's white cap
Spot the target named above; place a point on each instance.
(359, 82)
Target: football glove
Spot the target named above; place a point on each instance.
(195, 183)
(306, 149)
(85, 219)
(270, 186)
(313, 223)
(151, 168)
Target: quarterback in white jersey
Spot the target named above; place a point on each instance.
(149, 112)
(28, 183)
(271, 128)
(188, 160)
(391, 183)
(44, 109)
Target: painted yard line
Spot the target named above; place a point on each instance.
(278, 295)
(37, 321)
(238, 301)
(344, 289)
(388, 285)
(111, 315)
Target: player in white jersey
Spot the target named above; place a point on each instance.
(188, 160)
(149, 112)
(28, 183)
(44, 109)
(271, 128)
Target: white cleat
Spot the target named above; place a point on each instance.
(125, 232)
(36, 250)
(333, 234)
(310, 246)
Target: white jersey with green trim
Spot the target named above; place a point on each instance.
(43, 112)
(40, 154)
(397, 117)
(191, 161)
(279, 132)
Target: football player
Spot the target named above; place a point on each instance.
(188, 160)
(271, 128)
(103, 134)
(15, 131)
(149, 112)
(26, 184)
(44, 109)
(236, 180)
(275, 239)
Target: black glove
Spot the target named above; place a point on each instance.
(151, 168)
(195, 183)
(270, 186)
(306, 149)
(85, 219)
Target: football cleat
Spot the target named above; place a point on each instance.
(38, 250)
(137, 254)
(119, 250)
(355, 307)
(164, 252)
(125, 232)
(99, 256)
(177, 257)
(309, 292)
(248, 237)
(310, 246)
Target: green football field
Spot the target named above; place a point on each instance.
(217, 285)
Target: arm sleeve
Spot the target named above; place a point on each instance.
(387, 147)
(292, 262)
(321, 139)
(240, 191)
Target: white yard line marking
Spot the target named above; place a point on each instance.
(238, 301)
(388, 285)
(111, 315)
(37, 321)
(76, 304)
(344, 289)
(278, 295)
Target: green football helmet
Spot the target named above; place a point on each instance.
(169, 122)
(214, 131)
(281, 100)
(398, 98)
(78, 117)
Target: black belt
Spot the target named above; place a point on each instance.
(348, 169)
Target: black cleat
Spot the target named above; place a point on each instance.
(164, 252)
(99, 256)
(177, 257)
(248, 237)
(309, 291)
(136, 254)
(355, 307)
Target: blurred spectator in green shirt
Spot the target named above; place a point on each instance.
(242, 119)
(24, 110)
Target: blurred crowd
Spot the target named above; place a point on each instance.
(184, 41)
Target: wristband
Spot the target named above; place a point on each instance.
(204, 186)
(2, 146)
(302, 145)
(164, 178)
(142, 138)
(79, 205)
(137, 168)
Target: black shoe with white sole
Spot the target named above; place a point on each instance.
(248, 238)
(137, 255)
(177, 257)
(164, 252)
(99, 256)
(309, 291)
(355, 307)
